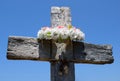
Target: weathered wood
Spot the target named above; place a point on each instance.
(60, 16)
(22, 48)
(67, 54)
(27, 48)
(91, 53)
(68, 72)
(61, 71)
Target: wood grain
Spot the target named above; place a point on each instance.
(28, 48)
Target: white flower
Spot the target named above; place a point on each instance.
(55, 33)
(60, 32)
(82, 36)
(73, 34)
(40, 34)
(64, 33)
(48, 33)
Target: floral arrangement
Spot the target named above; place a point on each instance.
(60, 33)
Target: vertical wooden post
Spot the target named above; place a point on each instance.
(62, 71)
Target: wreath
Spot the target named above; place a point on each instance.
(60, 33)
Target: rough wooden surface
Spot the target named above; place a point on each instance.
(22, 48)
(61, 71)
(60, 16)
(27, 48)
(68, 73)
(67, 53)
(91, 53)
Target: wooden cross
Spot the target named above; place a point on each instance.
(28, 48)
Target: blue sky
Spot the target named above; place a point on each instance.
(98, 19)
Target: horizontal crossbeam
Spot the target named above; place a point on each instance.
(28, 48)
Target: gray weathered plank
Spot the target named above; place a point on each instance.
(91, 53)
(57, 76)
(27, 48)
(22, 48)
(62, 71)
